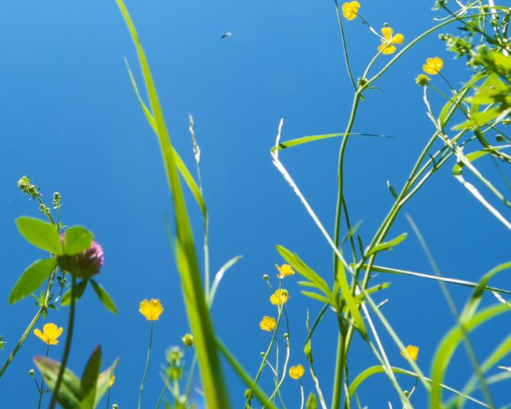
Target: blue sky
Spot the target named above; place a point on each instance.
(70, 120)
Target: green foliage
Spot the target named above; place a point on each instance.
(40, 234)
(32, 278)
(75, 393)
(104, 297)
(77, 239)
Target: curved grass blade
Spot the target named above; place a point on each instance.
(186, 258)
(219, 276)
(314, 138)
(378, 369)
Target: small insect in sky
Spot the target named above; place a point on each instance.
(226, 35)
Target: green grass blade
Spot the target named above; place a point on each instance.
(373, 370)
(456, 281)
(219, 275)
(448, 346)
(186, 258)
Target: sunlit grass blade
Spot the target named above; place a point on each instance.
(373, 370)
(314, 138)
(449, 344)
(218, 277)
(456, 281)
(186, 258)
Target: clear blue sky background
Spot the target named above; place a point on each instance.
(70, 120)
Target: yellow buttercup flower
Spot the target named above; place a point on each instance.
(284, 271)
(433, 65)
(111, 381)
(411, 352)
(50, 334)
(388, 41)
(296, 372)
(279, 297)
(151, 310)
(268, 324)
(350, 10)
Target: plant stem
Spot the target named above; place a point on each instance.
(31, 326)
(67, 347)
(42, 381)
(146, 367)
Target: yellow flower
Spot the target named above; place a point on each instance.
(284, 271)
(279, 297)
(433, 66)
(111, 381)
(388, 40)
(151, 309)
(50, 334)
(296, 372)
(411, 352)
(350, 9)
(268, 324)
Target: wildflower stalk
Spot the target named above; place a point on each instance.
(146, 367)
(40, 388)
(31, 326)
(67, 347)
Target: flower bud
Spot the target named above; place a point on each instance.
(31, 373)
(115, 406)
(188, 340)
(265, 277)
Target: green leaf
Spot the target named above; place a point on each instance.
(316, 296)
(304, 270)
(78, 239)
(104, 297)
(312, 402)
(32, 278)
(70, 394)
(103, 383)
(89, 380)
(199, 317)
(448, 346)
(386, 245)
(79, 290)
(218, 277)
(40, 234)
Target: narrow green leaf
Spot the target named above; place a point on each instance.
(103, 383)
(386, 245)
(104, 297)
(456, 281)
(448, 346)
(218, 277)
(458, 168)
(79, 290)
(40, 234)
(307, 139)
(373, 370)
(316, 296)
(312, 402)
(186, 259)
(90, 379)
(32, 278)
(77, 240)
(304, 270)
(70, 394)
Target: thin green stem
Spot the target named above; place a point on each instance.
(41, 388)
(146, 367)
(31, 326)
(67, 347)
(344, 45)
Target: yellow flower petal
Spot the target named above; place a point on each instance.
(284, 271)
(111, 381)
(268, 324)
(296, 372)
(151, 310)
(387, 49)
(350, 10)
(398, 39)
(279, 297)
(411, 352)
(50, 334)
(433, 65)
(387, 33)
